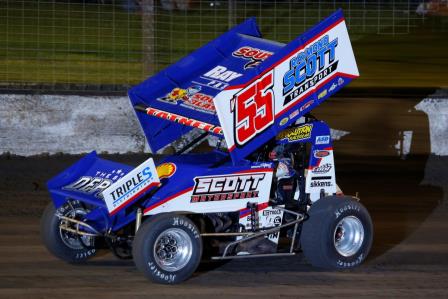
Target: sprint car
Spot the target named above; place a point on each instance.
(266, 188)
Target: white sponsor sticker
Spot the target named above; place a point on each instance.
(268, 217)
(129, 187)
(325, 139)
(322, 176)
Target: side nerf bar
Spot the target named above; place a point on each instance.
(183, 120)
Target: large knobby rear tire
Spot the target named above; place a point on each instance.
(338, 233)
(62, 244)
(167, 248)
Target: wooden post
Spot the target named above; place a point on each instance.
(148, 28)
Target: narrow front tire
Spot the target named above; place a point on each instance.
(167, 248)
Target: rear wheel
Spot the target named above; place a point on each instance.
(338, 233)
(63, 244)
(167, 248)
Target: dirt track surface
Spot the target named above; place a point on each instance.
(409, 257)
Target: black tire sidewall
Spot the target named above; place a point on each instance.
(348, 208)
(318, 233)
(52, 239)
(144, 243)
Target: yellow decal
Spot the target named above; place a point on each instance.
(177, 94)
(284, 121)
(295, 134)
(166, 170)
(322, 94)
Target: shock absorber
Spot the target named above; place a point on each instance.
(253, 216)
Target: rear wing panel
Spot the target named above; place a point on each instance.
(290, 83)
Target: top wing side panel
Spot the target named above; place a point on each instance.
(290, 83)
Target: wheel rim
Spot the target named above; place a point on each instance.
(70, 239)
(348, 236)
(173, 249)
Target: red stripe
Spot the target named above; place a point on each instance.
(120, 207)
(183, 120)
(167, 199)
(290, 54)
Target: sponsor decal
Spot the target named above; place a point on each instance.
(253, 109)
(166, 170)
(325, 168)
(284, 121)
(254, 55)
(262, 165)
(89, 185)
(295, 134)
(221, 73)
(306, 105)
(321, 154)
(322, 94)
(321, 182)
(294, 114)
(217, 78)
(277, 220)
(333, 86)
(190, 98)
(309, 67)
(184, 120)
(226, 187)
(272, 212)
(267, 217)
(324, 139)
(129, 187)
(340, 81)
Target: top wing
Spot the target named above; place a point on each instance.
(245, 88)
(300, 76)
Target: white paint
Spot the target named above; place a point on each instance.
(36, 124)
(183, 202)
(437, 110)
(316, 181)
(403, 145)
(127, 188)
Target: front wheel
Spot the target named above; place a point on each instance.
(64, 244)
(338, 233)
(167, 248)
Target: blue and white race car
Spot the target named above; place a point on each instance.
(269, 177)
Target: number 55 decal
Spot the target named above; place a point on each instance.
(254, 109)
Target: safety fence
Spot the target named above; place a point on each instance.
(106, 46)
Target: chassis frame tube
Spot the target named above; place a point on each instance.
(249, 236)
